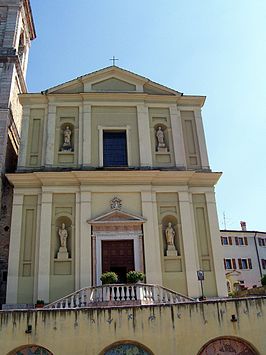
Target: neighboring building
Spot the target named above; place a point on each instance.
(113, 174)
(16, 33)
(244, 254)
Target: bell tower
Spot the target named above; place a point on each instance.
(16, 33)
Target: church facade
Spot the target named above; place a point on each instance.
(113, 175)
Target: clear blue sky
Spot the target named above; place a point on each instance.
(215, 48)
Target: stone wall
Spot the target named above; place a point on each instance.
(166, 329)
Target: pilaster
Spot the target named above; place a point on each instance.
(51, 123)
(216, 246)
(190, 244)
(45, 246)
(85, 238)
(23, 139)
(153, 266)
(201, 139)
(79, 134)
(144, 136)
(178, 141)
(14, 249)
(86, 134)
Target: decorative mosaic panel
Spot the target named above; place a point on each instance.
(33, 350)
(227, 347)
(126, 349)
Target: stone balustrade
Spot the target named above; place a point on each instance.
(119, 294)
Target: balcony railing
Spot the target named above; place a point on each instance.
(119, 295)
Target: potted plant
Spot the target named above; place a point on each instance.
(39, 304)
(135, 276)
(263, 280)
(109, 277)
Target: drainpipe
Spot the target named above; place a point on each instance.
(255, 240)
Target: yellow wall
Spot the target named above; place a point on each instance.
(174, 273)
(172, 329)
(118, 117)
(62, 271)
(27, 250)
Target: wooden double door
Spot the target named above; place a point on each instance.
(118, 256)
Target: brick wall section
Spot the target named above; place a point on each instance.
(3, 18)
(5, 222)
(8, 101)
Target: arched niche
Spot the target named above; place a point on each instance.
(69, 227)
(169, 218)
(67, 137)
(164, 129)
(29, 350)
(126, 347)
(228, 345)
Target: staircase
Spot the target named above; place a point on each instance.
(119, 295)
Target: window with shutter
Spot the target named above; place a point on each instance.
(230, 240)
(263, 263)
(249, 264)
(239, 263)
(234, 264)
(236, 240)
(246, 240)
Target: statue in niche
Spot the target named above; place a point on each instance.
(67, 139)
(160, 137)
(63, 235)
(169, 234)
(170, 240)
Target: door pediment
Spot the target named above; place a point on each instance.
(117, 216)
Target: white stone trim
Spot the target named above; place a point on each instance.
(114, 128)
(85, 262)
(100, 236)
(201, 139)
(177, 136)
(45, 247)
(216, 245)
(86, 134)
(144, 135)
(190, 244)
(14, 250)
(153, 267)
(79, 135)
(24, 139)
(51, 123)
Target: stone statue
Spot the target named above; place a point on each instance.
(170, 240)
(160, 137)
(63, 235)
(169, 234)
(67, 138)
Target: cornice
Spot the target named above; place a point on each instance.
(86, 178)
(33, 98)
(29, 18)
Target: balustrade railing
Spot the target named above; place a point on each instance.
(119, 294)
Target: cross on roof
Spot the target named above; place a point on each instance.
(114, 59)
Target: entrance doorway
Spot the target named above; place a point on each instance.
(118, 256)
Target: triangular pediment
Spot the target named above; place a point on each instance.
(117, 216)
(112, 79)
(113, 85)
